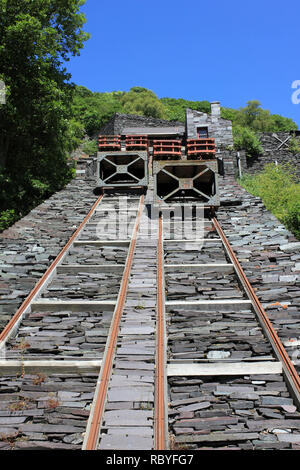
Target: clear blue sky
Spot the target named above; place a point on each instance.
(232, 51)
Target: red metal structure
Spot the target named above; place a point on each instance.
(109, 142)
(166, 148)
(200, 148)
(136, 142)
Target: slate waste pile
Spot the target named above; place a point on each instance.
(244, 413)
(29, 246)
(42, 411)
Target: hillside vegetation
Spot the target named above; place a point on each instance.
(92, 110)
(279, 189)
(65, 114)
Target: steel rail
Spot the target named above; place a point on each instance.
(289, 370)
(161, 417)
(40, 284)
(94, 424)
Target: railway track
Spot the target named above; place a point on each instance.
(230, 381)
(137, 342)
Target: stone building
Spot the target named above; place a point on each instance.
(197, 125)
(201, 125)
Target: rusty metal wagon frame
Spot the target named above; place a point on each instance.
(122, 169)
(193, 181)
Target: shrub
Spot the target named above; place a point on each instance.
(7, 218)
(292, 218)
(245, 139)
(90, 147)
(278, 187)
(294, 145)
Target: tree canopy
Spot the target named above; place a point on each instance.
(36, 37)
(254, 117)
(143, 102)
(92, 110)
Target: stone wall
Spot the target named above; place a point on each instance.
(230, 161)
(275, 150)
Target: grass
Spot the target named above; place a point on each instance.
(19, 405)
(279, 189)
(39, 379)
(52, 403)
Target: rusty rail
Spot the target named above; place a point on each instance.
(94, 425)
(291, 375)
(161, 416)
(44, 279)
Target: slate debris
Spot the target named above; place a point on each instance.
(64, 333)
(48, 417)
(97, 255)
(215, 334)
(270, 257)
(230, 412)
(31, 244)
(84, 286)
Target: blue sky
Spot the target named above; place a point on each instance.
(232, 51)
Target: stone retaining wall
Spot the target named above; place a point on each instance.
(275, 150)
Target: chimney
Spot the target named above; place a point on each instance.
(215, 108)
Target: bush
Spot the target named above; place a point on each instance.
(90, 147)
(245, 139)
(7, 218)
(294, 145)
(279, 190)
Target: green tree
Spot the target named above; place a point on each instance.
(261, 120)
(283, 124)
(36, 121)
(245, 139)
(176, 107)
(143, 102)
(95, 109)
